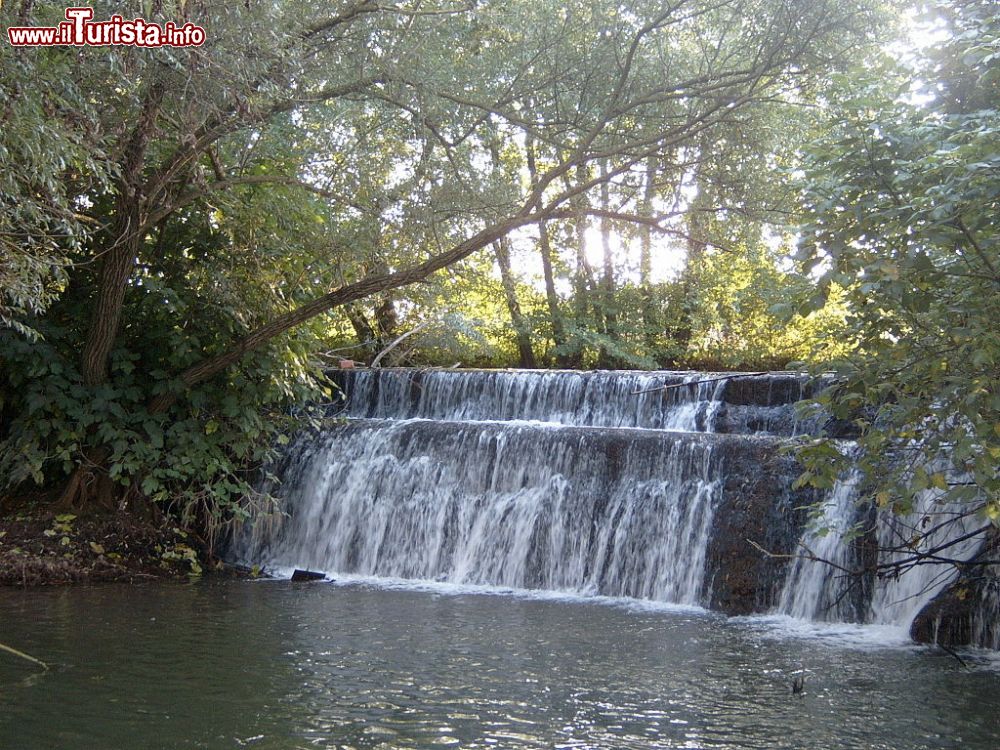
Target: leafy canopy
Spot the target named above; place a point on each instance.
(903, 198)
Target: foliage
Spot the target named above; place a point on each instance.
(743, 319)
(201, 464)
(903, 198)
(48, 156)
(190, 216)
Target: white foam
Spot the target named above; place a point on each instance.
(446, 588)
(844, 634)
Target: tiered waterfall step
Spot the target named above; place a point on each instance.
(742, 403)
(619, 512)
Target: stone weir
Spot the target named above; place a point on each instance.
(664, 486)
(647, 514)
(734, 403)
(646, 485)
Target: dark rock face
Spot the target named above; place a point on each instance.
(757, 506)
(842, 429)
(865, 551)
(773, 389)
(967, 612)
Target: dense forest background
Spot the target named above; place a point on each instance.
(188, 236)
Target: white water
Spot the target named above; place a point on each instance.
(818, 591)
(691, 402)
(898, 600)
(470, 503)
(814, 590)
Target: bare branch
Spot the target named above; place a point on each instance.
(698, 382)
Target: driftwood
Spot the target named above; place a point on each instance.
(397, 341)
(703, 380)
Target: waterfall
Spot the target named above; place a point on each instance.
(897, 600)
(595, 483)
(818, 591)
(691, 402)
(815, 590)
(603, 513)
(631, 484)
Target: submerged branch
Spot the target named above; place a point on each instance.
(22, 655)
(810, 555)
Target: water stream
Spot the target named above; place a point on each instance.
(522, 560)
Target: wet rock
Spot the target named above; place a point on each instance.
(772, 389)
(842, 429)
(300, 576)
(757, 506)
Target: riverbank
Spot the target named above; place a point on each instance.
(40, 547)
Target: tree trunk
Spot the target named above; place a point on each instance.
(545, 250)
(90, 481)
(367, 339)
(119, 261)
(522, 328)
(584, 283)
(24, 17)
(551, 298)
(697, 232)
(89, 485)
(608, 278)
(124, 245)
(386, 320)
(649, 321)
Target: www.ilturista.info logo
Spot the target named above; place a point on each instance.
(78, 30)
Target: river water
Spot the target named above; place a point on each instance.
(270, 664)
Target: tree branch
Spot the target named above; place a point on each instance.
(367, 286)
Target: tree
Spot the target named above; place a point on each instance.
(902, 198)
(314, 155)
(47, 150)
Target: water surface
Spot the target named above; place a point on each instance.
(230, 664)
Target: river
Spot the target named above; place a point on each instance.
(270, 664)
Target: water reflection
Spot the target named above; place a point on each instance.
(271, 665)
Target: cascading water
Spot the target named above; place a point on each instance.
(822, 591)
(603, 483)
(603, 513)
(690, 402)
(814, 590)
(645, 485)
(899, 598)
